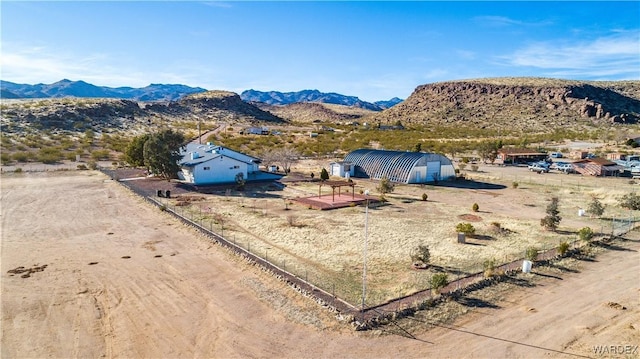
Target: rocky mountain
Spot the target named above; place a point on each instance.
(389, 103)
(81, 89)
(526, 104)
(286, 98)
(77, 114)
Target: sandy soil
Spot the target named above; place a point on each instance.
(124, 280)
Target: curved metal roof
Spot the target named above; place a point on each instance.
(395, 165)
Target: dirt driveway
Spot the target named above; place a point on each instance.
(96, 272)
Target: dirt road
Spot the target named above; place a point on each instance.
(107, 275)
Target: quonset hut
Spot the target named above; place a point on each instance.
(400, 167)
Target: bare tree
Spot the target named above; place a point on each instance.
(282, 157)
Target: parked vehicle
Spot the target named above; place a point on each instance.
(555, 155)
(555, 165)
(537, 167)
(565, 167)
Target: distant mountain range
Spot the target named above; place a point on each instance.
(68, 88)
(161, 92)
(286, 98)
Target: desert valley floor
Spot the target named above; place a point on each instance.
(112, 276)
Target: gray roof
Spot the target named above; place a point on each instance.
(394, 165)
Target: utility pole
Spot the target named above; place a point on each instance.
(364, 252)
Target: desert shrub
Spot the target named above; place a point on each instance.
(92, 165)
(585, 234)
(496, 228)
(421, 254)
(563, 247)
(425, 196)
(81, 167)
(291, 220)
(474, 168)
(475, 207)
(489, 267)
(462, 166)
(630, 201)
(439, 281)
(595, 207)
(531, 253)
(21, 156)
(385, 186)
(49, 155)
(5, 158)
(100, 155)
(18, 170)
(466, 228)
(514, 185)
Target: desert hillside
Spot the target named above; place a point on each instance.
(79, 113)
(309, 112)
(528, 104)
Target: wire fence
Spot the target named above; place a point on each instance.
(343, 291)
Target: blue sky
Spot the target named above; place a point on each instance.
(373, 50)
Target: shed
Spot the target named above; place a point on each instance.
(341, 169)
(597, 167)
(400, 167)
(510, 155)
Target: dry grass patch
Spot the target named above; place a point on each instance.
(326, 247)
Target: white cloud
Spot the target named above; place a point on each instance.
(502, 21)
(615, 56)
(35, 64)
(39, 64)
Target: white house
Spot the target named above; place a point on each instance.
(211, 164)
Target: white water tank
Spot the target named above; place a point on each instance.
(581, 212)
(526, 266)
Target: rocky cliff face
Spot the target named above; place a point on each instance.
(526, 104)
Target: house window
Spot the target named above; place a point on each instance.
(207, 168)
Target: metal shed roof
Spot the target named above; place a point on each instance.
(394, 165)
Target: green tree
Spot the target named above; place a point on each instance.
(385, 186)
(595, 208)
(488, 150)
(134, 153)
(162, 152)
(417, 147)
(324, 175)
(552, 219)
